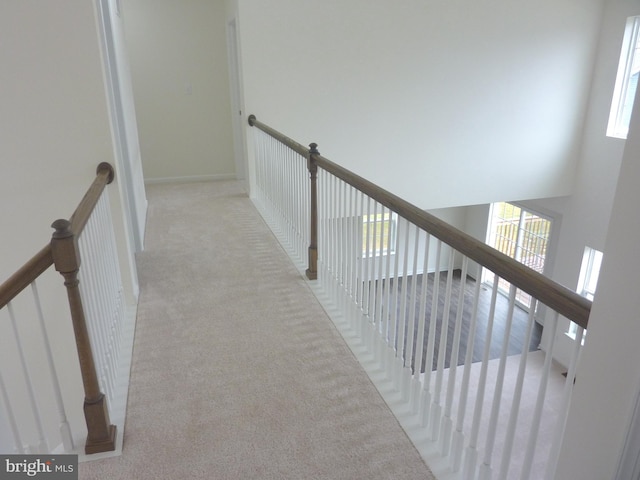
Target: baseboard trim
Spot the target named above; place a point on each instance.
(190, 179)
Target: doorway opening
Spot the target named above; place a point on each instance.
(522, 235)
(237, 104)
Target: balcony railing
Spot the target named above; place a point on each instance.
(83, 250)
(438, 353)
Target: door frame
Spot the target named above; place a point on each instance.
(237, 100)
(118, 123)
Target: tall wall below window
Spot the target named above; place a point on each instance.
(445, 103)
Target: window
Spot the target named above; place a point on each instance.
(588, 280)
(380, 232)
(626, 81)
(523, 236)
(589, 271)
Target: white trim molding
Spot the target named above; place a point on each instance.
(191, 179)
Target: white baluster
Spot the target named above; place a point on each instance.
(344, 289)
(89, 287)
(386, 296)
(355, 243)
(349, 246)
(11, 417)
(402, 317)
(433, 320)
(322, 228)
(101, 300)
(517, 395)
(93, 304)
(328, 235)
(552, 326)
(486, 467)
(334, 240)
(371, 260)
(65, 429)
(359, 271)
(436, 406)
(292, 198)
(111, 286)
(365, 258)
(305, 205)
(411, 325)
(381, 282)
(280, 189)
(393, 326)
(115, 275)
(447, 422)
(382, 353)
(563, 411)
(333, 236)
(457, 444)
(298, 201)
(417, 384)
(42, 446)
(471, 455)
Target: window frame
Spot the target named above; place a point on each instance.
(618, 125)
(372, 249)
(525, 213)
(591, 258)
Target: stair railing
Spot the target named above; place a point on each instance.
(385, 271)
(64, 252)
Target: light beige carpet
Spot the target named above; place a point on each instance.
(237, 371)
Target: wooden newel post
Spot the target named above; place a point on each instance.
(101, 436)
(312, 271)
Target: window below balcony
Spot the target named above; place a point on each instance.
(379, 234)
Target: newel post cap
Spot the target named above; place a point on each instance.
(63, 229)
(109, 168)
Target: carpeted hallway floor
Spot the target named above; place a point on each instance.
(237, 371)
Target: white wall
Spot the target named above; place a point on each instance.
(54, 131)
(54, 127)
(178, 57)
(585, 214)
(481, 101)
(608, 376)
(455, 217)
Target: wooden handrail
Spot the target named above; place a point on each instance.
(104, 176)
(563, 300)
(42, 260)
(62, 252)
(26, 275)
(292, 144)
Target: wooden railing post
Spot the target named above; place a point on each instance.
(312, 271)
(101, 434)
